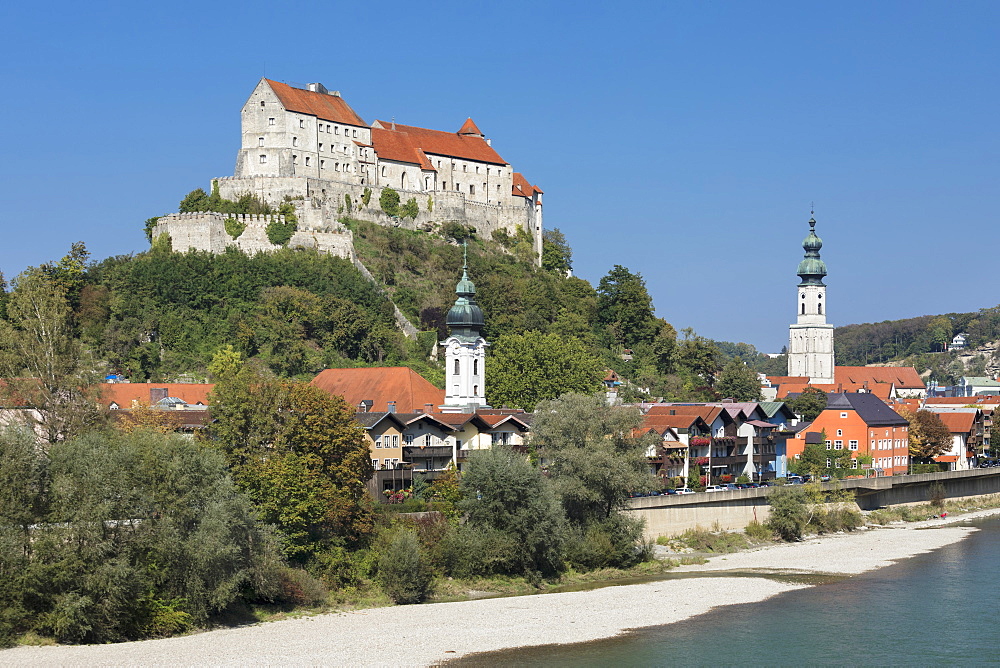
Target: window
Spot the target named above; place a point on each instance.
(408, 439)
(840, 432)
(428, 439)
(456, 367)
(327, 127)
(263, 159)
(383, 170)
(475, 367)
(336, 130)
(355, 133)
(260, 141)
(444, 185)
(378, 441)
(477, 169)
(472, 189)
(829, 445)
(828, 462)
(854, 463)
(375, 464)
(307, 161)
(465, 168)
(321, 146)
(853, 445)
(322, 164)
(843, 415)
(302, 123)
(262, 103)
(395, 440)
(838, 445)
(475, 390)
(387, 463)
(270, 121)
(320, 127)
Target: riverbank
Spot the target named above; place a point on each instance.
(429, 634)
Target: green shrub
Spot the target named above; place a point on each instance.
(280, 233)
(478, 551)
(235, 228)
(389, 201)
(758, 532)
(614, 543)
(366, 195)
(410, 209)
(789, 514)
(718, 541)
(347, 202)
(403, 571)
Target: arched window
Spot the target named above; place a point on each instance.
(803, 309)
(475, 367)
(456, 367)
(475, 390)
(820, 307)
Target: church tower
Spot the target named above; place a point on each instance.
(810, 340)
(465, 351)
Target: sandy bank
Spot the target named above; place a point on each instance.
(423, 635)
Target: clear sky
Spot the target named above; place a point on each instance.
(683, 140)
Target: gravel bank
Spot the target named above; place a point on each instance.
(424, 635)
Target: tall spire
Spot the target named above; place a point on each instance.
(465, 318)
(812, 269)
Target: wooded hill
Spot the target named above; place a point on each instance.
(921, 342)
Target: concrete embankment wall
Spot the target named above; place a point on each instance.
(668, 515)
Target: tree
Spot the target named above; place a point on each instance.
(809, 404)
(43, 366)
(624, 307)
(593, 458)
(505, 494)
(299, 455)
(136, 535)
(557, 256)
(789, 512)
(594, 463)
(409, 209)
(929, 437)
(738, 381)
(815, 456)
(524, 369)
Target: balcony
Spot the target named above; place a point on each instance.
(411, 452)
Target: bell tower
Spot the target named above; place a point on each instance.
(465, 351)
(810, 338)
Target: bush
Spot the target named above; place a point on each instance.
(297, 587)
(403, 571)
(717, 541)
(479, 551)
(234, 228)
(614, 543)
(366, 195)
(389, 201)
(756, 531)
(410, 209)
(789, 514)
(280, 233)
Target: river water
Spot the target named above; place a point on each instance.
(935, 609)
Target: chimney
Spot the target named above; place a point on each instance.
(392, 407)
(318, 88)
(157, 393)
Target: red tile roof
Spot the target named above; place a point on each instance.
(522, 188)
(469, 128)
(958, 423)
(903, 377)
(406, 387)
(449, 144)
(978, 401)
(398, 146)
(880, 390)
(321, 105)
(778, 380)
(124, 394)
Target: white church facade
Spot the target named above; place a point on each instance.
(810, 338)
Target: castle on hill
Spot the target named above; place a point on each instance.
(308, 146)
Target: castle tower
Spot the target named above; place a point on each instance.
(810, 340)
(465, 351)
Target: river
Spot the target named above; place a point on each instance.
(935, 609)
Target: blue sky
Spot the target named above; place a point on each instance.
(683, 140)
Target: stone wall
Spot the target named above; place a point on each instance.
(320, 203)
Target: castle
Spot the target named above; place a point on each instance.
(309, 147)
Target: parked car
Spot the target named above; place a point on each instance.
(683, 490)
(731, 486)
(715, 488)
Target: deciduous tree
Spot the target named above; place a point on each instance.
(929, 437)
(523, 369)
(809, 404)
(738, 381)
